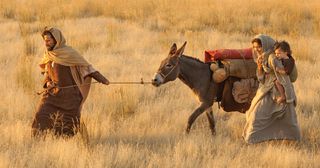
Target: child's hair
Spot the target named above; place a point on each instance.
(284, 46)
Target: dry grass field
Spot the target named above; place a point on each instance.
(140, 125)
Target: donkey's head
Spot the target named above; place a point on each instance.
(169, 68)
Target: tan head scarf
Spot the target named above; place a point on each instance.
(67, 56)
(61, 53)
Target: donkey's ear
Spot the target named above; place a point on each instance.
(181, 49)
(173, 49)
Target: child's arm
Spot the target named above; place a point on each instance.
(282, 71)
(278, 66)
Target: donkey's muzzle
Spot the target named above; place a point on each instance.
(154, 82)
(157, 80)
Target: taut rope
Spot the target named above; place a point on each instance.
(110, 83)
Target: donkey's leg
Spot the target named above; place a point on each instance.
(194, 116)
(211, 120)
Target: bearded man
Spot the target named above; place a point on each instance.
(67, 83)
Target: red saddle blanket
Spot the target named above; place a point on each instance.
(221, 54)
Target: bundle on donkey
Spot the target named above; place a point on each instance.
(235, 72)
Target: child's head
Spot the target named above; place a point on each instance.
(282, 49)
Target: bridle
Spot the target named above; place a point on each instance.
(164, 76)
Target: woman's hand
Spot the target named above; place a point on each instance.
(260, 61)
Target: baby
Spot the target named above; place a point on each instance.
(283, 66)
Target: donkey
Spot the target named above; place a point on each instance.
(195, 74)
(198, 76)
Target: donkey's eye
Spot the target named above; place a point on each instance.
(168, 65)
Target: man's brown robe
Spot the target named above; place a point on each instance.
(59, 108)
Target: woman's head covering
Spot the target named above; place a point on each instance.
(266, 41)
(267, 46)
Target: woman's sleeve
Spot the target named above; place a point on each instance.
(260, 75)
(265, 64)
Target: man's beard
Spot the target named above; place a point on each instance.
(50, 48)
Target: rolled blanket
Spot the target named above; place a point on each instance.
(221, 54)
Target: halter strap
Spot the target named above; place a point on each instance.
(174, 67)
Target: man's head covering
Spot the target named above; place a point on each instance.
(67, 56)
(61, 53)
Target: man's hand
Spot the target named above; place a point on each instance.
(100, 78)
(50, 84)
(106, 82)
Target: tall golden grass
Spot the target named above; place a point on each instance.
(143, 126)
